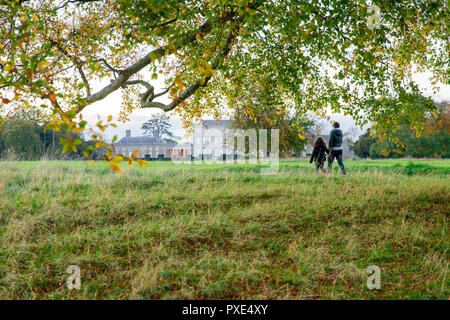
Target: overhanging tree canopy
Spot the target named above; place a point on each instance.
(317, 54)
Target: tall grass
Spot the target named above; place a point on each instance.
(48, 154)
(212, 232)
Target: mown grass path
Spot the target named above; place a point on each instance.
(212, 232)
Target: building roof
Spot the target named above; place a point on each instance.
(144, 139)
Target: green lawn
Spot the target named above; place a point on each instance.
(214, 231)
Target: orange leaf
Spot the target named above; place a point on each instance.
(115, 167)
(142, 162)
(52, 97)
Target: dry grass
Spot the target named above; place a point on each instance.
(209, 232)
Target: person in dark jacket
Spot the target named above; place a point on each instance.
(319, 154)
(335, 145)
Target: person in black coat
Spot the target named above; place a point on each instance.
(336, 149)
(319, 154)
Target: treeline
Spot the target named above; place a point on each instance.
(22, 139)
(434, 142)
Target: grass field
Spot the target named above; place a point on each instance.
(212, 231)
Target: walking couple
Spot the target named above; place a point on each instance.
(321, 151)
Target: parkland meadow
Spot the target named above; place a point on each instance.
(171, 231)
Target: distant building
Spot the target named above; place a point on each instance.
(208, 141)
(151, 147)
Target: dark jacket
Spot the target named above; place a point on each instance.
(336, 138)
(319, 154)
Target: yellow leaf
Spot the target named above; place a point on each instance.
(142, 162)
(42, 64)
(91, 162)
(135, 153)
(99, 145)
(117, 159)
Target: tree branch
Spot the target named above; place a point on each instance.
(76, 61)
(201, 82)
(164, 92)
(125, 74)
(78, 2)
(83, 76)
(108, 65)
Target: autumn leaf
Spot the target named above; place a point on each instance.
(42, 64)
(99, 144)
(142, 162)
(52, 97)
(115, 167)
(117, 159)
